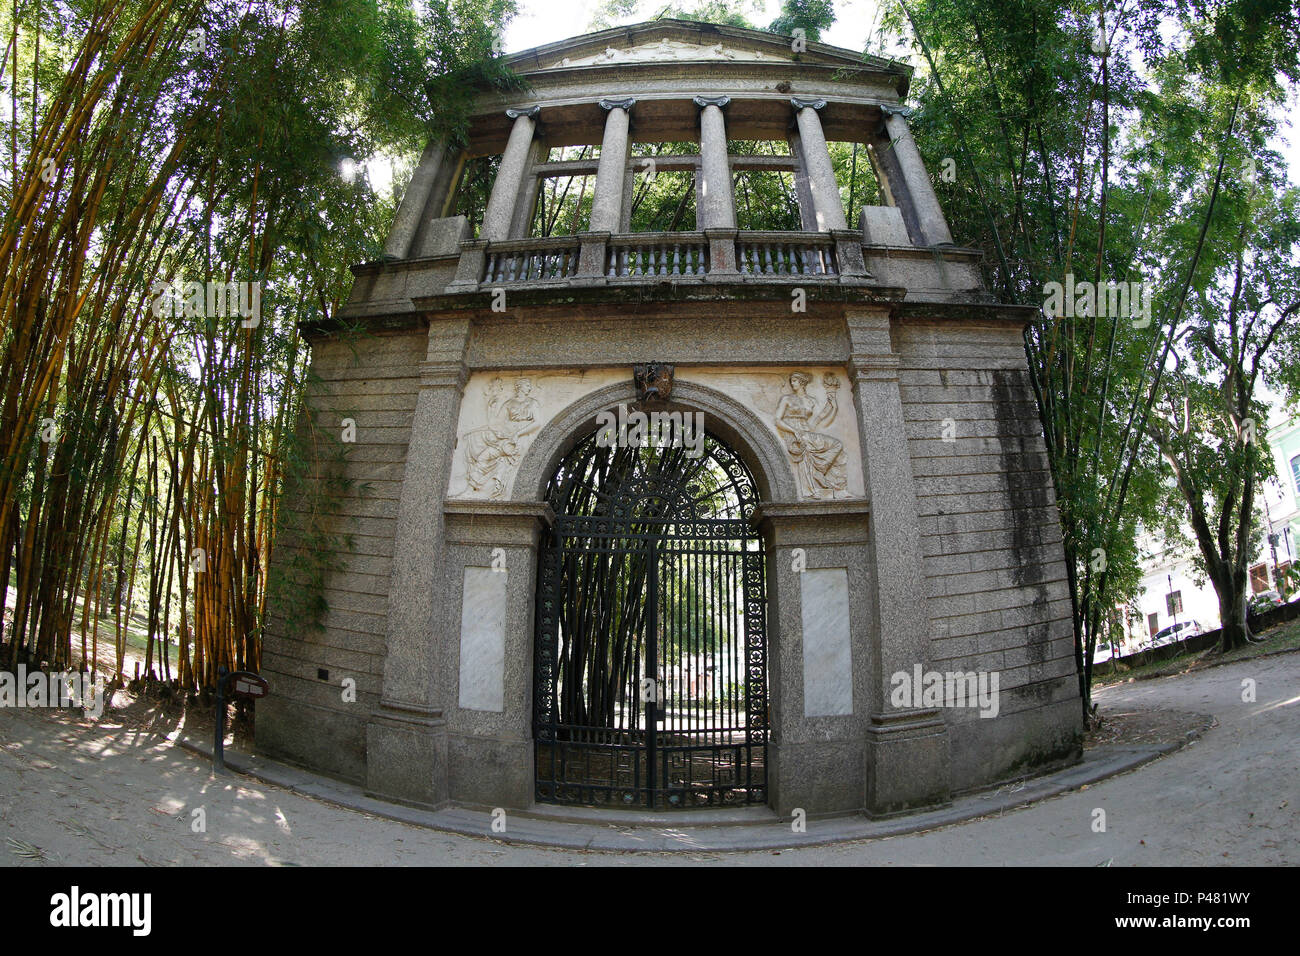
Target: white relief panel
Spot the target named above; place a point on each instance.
(808, 410)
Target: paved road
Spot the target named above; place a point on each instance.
(108, 794)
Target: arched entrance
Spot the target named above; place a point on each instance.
(650, 650)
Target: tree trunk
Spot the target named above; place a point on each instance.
(1232, 612)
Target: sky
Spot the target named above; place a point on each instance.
(545, 21)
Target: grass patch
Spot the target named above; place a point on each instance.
(1283, 637)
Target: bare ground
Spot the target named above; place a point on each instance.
(120, 792)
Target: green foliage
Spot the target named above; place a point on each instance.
(1102, 160)
(811, 16)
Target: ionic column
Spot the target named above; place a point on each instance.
(928, 213)
(717, 206)
(611, 171)
(817, 161)
(510, 175)
(414, 201)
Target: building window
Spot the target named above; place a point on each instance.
(1174, 602)
(855, 175)
(473, 186)
(1259, 578)
(1295, 473)
(1153, 624)
(565, 186)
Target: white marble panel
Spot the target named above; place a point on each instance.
(827, 653)
(483, 640)
(808, 409)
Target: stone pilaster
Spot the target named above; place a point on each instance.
(492, 554)
(907, 748)
(817, 161)
(611, 171)
(405, 740)
(717, 207)
(500, 213)
(819, 589)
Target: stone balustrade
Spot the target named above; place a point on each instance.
(647, 256)
(531, 260)
(786, 254)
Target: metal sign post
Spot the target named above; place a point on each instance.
(248, 685)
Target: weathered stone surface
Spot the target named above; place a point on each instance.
(883, 226)
(888, 424)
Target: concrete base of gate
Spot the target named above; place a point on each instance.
(721, 830)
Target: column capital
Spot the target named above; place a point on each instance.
(800, 103)
(444, 375)
(624, 104)
(904, 111)
(517, 111)
(719, 101)
(873, 367)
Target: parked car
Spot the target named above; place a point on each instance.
(1102, 654)
(1175, 633)
(1265, 600)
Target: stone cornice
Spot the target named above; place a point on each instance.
(520, 510)
(443, 375)
(813, 508)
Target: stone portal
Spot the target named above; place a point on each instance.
(872, 500)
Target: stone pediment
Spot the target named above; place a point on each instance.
(684, 41)
(667, 51)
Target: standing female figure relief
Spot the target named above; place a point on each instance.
(818, 458)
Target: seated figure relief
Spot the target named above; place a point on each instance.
(492, 451)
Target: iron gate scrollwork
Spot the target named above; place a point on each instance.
(650, 645)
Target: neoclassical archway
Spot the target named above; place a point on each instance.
(715, 744)
(650, 641)
(734, 423)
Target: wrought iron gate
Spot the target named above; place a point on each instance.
(650, 646)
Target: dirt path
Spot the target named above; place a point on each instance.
(117, 794)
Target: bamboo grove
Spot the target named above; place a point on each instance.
(153, 151)
(1113, 143)
(158, 153)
